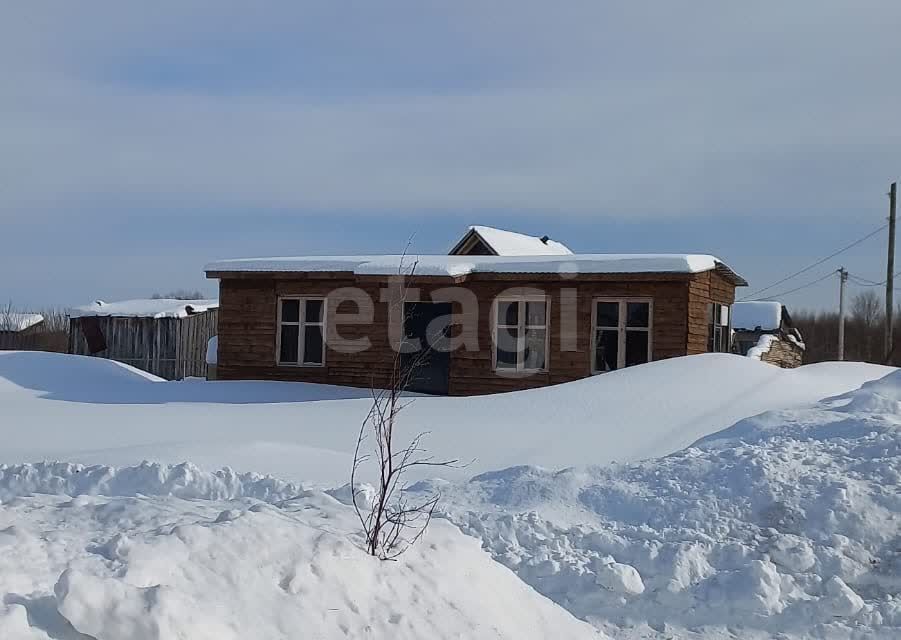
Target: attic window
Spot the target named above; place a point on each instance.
(475, 247)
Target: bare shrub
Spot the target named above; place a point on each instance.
(393, 521)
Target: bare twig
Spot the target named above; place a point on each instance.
(392, 523)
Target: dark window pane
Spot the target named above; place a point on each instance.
(536, 313)
(638, 314)
(606, 350)
(290, 310)
(507, 346)
(715, 339)
(313, 311)
(608, 314)
(636, 347)
(725, 336)
(534, 357)
(508, 313)
(312, 345)
(288, 352)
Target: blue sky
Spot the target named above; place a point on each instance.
(142, 140)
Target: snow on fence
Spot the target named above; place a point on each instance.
(169, 347)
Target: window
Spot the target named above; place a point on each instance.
(520, 334)
(719, 332)
(301, 332)
(621, 333)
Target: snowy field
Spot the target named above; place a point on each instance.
(705, 497)
(97, 411)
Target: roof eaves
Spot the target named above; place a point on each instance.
(726, 271)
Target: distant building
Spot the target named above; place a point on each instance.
(19, 330)
(764, 330)
(165, 337)
(488, 241)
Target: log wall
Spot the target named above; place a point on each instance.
(704, 288)
(248, 325)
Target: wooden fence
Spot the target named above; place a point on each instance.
(171, 348)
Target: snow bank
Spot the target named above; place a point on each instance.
(151, 308)
(757, 316)
(784, 523)
(212, 350)
(95, 411)
(151, 568)
(764, 344)
(183, 481)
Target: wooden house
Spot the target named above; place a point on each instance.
(488, 323)
(165, 337)
(764, 330)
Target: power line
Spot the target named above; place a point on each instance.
(864, 282)
(815, 264)
(803, 286)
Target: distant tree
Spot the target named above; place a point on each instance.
(867, 323)
(864, 331)
(179, 294)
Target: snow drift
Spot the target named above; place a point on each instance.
(95, 411)
(161, 568)
(786, 523)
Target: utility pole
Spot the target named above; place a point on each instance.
(843, 278)
(890, 274)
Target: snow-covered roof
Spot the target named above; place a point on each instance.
(510, 243)
(18, 321)
(757, 316)
(455, 266)
(151, 308)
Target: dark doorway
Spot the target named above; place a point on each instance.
(427, 326)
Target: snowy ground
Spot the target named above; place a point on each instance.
(97, 411)
(789, 522)
(781, 525)
(159, 568)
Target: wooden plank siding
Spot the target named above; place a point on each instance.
(703, 289)
(248, 324)
(171, 348)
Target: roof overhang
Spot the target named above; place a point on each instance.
(726, 272)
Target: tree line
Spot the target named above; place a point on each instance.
(864, 331)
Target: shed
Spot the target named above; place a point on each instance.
(165, 337)
(19, 330)
(488, 241)
(763, 329)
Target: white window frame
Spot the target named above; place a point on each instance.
(302, 325)
(725, 329)
(621, 330)
(521, 329)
